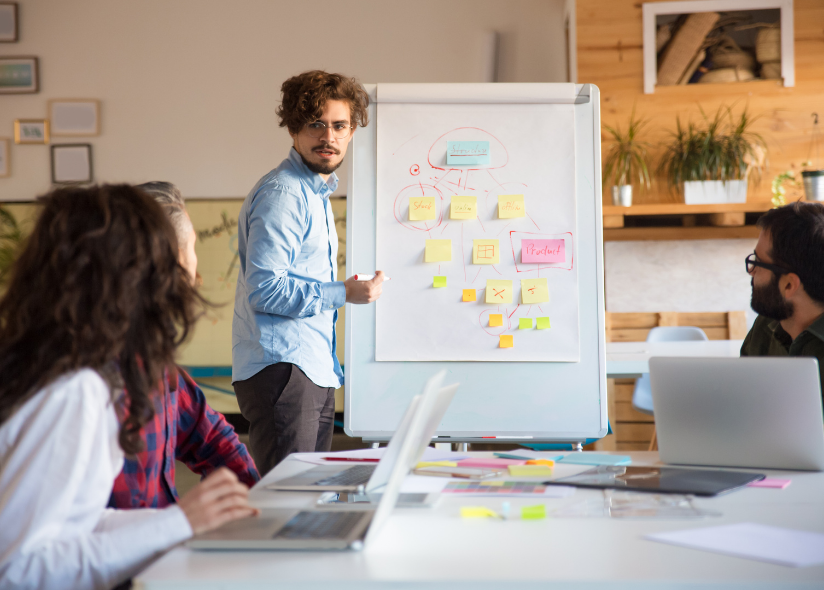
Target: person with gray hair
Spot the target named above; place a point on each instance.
(184, 427)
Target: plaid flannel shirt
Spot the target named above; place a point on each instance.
(185, 428)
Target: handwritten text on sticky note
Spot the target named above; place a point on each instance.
(438, 251)
(498, 291)
(486, 252)
(465, 153)
(542, 251)
(510, 206)
(463, 207)
(534, 291)
(421, 208)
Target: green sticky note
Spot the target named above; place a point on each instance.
(533, 512)
(542, 323)
(524, 323)
(439, 282)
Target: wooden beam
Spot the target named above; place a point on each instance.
(633, 234)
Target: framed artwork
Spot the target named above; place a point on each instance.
(9, 29)
(74, 117)
(18, 75)
(31, 131)
(71, 163)
(5, 148)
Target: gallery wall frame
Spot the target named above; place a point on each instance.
(71, 163)
(5, 155)
(9, 27)
(74, 117)
(31, 131)
(19, 75)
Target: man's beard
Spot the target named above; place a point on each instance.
(767, 301)
(322, 168)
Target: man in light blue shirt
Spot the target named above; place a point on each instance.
(284, 367)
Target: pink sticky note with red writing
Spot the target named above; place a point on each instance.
(770, 482)
(542, 251)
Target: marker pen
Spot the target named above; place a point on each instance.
(363, 277)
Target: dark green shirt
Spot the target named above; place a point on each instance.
(768, 338)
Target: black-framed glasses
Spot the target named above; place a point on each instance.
(318, 129)
(752, 261)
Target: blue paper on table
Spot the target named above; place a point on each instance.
(464, 153)
(595, 459)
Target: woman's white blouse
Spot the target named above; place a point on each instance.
(59, 457)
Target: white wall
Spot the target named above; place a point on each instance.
(189, 87)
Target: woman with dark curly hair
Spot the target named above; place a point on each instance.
(96, 306)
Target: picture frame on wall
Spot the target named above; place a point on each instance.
(71, 163)
(5, 151)
(9, 29)
(31, 131)
(19, 75)
(74, 117)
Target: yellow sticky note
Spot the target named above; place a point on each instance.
(506, 341)
(542, 323)
(534, 291)
(525, 324)
(510, 206)
(469, 294)
(463, 208)
(498, 291)
(498, 483)
(421, 208)
(423, 464)
(547, 462)
(438, 251)
(439, 282)
(496, 320)
(478, 512)
(529, 470)
(533, 512)
(486, 252)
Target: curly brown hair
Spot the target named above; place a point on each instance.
(97, 285)
(305, 96)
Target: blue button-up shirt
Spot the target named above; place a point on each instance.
(287, 297)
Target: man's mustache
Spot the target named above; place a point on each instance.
(326, 147)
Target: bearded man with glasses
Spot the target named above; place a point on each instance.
(284, 367)
(787, 270)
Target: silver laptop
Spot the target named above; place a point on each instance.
(761, 412)
(330, 529)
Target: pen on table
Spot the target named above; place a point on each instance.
(364, 277)
(355, 459)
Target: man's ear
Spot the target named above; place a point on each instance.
(790, 285)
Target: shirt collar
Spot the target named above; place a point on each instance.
(816, 329)
(313, 179)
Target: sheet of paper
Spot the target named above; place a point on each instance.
(752, 541)
(422, 208)
(770, 482)
(439, 282)
(496, 320)
(525, 324)
(595, 459)
(506, 341)
(467, 153)
(530, 454)
(469, 295)
(486, 252)
(429, 454)
(542, 251)
(511, 206)
(419, 484)
(530, 470)
(542, 323)
(534, 291)
(438, 251)
(498, 291)
(463, 207)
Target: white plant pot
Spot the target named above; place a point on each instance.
(622, 195)
(707, 192)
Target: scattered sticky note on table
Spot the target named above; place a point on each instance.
(421, 208)
(469, 295)
(496, 320)
(438, 251)
(533, 512)
(478, 512)
(525, 324)
(529, 470)
(542, 251)
(489, 463)
(505, 341)
(510, 206)
(542, 323)
(486, 252)
(463, 207)
(439, 282)
(465, 153)
(534, 291)
(595, 459)
(770, 482)
(424, 464)
(498, 291)
(547, 462)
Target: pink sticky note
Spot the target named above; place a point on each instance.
(493, 463)
(542, 251)
(770, 482)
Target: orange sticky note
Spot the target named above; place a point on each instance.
(496, 320)
(469, 294)
(547, 462)
(506, 341)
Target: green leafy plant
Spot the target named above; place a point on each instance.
(778, 190)
(721, 148)
(10, 239)
(627, 160)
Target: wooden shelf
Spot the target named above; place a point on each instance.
(682, 209)
(626, 234)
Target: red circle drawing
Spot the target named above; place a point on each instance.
(415, 170)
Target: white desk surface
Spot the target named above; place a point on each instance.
(435, 548)
(631, 359)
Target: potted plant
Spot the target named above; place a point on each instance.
(713, 162)
(626, 161)
(10, 238)
(813, 176)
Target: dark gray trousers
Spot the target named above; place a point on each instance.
(287, 414)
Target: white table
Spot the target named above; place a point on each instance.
(435, 548)
(631, 359)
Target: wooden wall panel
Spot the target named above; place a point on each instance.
(609, 41)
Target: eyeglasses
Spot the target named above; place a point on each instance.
(318, 129)
(752, 261)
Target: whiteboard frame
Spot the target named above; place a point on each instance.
(361, 369)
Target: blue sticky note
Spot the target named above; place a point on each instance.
(595, 459)
(465, 153)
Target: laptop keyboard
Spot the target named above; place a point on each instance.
(348, 477)
(320, 525)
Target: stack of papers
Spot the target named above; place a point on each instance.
(520, 489)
